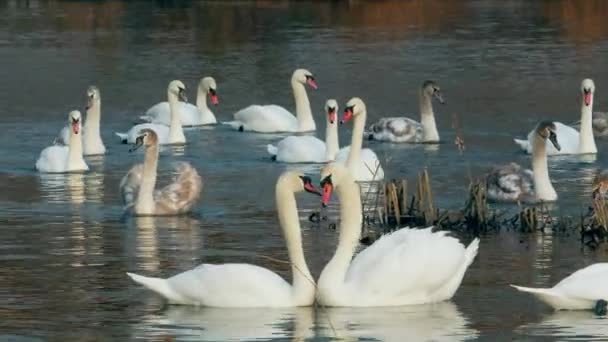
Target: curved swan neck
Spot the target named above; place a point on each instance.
(306, 123)
(303, 283)
(201, 99)
(332, 145)
(354, 156)
(176, 132)
(586, 139)
(350, 233)
(542, 183)
(75, 156)
(145, 197)
(427, 118)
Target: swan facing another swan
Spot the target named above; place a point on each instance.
(190, 115)
(246, 285)
(92, 143)
(137, 186)
(363, 165)
(582, 290)
(309, 149)
(61, 158)
(570, 140)
(406, 130)
(174, 134)
(512, 183)
(273, 118)
(408, 266)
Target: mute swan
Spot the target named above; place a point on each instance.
(273, 118)
(309, 149)
(362, 164)
(569, 139)
(579, 291)
(406, 130)
(190, 115)
(137, 186)
(512, 183)
(59, 158)
(174, 134)
(408, 266)
(246, 285)
(92, 143)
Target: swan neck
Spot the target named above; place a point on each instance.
(91, 130)
(303, 283)
(306, 123)
(542, 183)
(586, 139)
(332, 145)
(75, 156)
(354, 156)
(201, 99)
(427, 119)
(176, 132)
(145, 197)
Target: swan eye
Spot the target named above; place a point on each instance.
(326, 180)
(310, 77)
(331, 109)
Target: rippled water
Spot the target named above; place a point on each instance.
(65, 245)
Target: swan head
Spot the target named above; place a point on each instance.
(587, 89)
(74, 118)
(304, 76)
(92, 96)
(431, 90)
(331, 108)
(297, 182)
(210, 87)
(354, 107)
(146, 137)
(600, 185)
(546, 130)
(178, 89)
(333, 175)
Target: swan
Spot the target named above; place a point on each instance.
(273, 118)
(92, 143)
(246, 285)
(190, 115)
(408, 266)
(600, 124)
(174, 134)
(362, 164)
(582, 290)
(309, 149)
(61, 158)
(512, 183)
(569, 139)
(137, 186)
(406, 130)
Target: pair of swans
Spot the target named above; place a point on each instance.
(570, 140)
(409, 266)
(189, 114)
(363, 164)
(138, 185)
(167, 135)
(512, 183)
(406, 130)
(65, 158)
(273, 118)
(92, 143)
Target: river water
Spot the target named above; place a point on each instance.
(65, 245)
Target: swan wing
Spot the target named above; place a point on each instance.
(264, 119)
(395, 129)
(53, 159)
(567, 137)
(183, 192)
(160, 113)
(129, 185)
(588, 283)
(301, 149)
(369, 167)
(509, 182)
(63, 138)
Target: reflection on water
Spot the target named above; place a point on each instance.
(569, 326)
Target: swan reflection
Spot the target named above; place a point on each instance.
(569, 325)
(63, 187)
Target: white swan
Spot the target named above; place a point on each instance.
(273, 118)
(92, 143)
(406, 130)
(61, 158)
(408, 266)
(363, 165)
(174, 134)
(579, 291)
(569, 139)
(137, 186)
(190, 114)
(512, 183)
(246, 285)
(309, 149)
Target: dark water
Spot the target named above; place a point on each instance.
(65, 247)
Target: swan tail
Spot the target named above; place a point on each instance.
(124, 137)
(236, 125)
(546, 295)
(523, 144)
(471, 251)
(273, 150)
(158, 285)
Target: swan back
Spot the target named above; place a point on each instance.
(183, 192)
